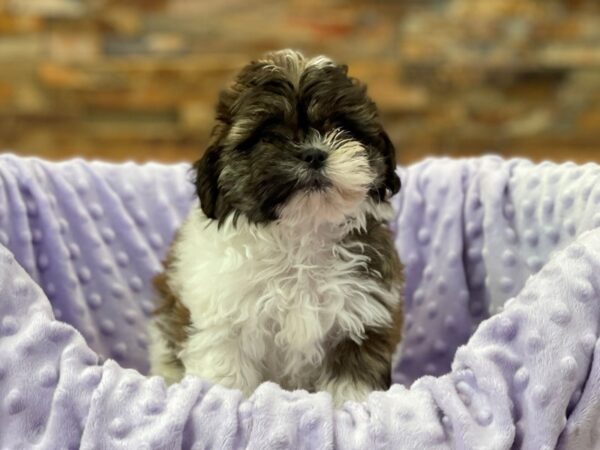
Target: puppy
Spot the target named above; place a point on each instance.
(287, 271)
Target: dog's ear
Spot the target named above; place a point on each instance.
(391, 180)
(207, 181)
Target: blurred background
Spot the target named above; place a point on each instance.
(138, 79)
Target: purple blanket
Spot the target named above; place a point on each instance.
(502, 315)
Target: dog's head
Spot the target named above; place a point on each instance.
(296, 139)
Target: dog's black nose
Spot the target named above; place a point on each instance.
(314, 157)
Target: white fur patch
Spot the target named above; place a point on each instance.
(264, 300)
(294, 63)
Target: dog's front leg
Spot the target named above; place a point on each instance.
(352, 370)
(217, 355)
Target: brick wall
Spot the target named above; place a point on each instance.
(138, 79)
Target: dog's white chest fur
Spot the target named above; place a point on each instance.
(276, 297)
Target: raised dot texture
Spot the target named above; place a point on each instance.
(84, 274)
(541, 396)
(147, 307)
(568, 367)
(548, 205)
(413, 259)
(117, 291)
(423, 236)
(474, 254)
(154, 406)
(14, 401)
(478, 280)
(43, 262)
(21, 286)
(108, 235)
(588, 341)
(432, 310)
(560, 315)
(119, 350)
(63, 226)
(420, 334)
(74, 251)
(94, 300)
(447, 422)
(464, 392)
(521, 378)
(91, 376)
(8, 326)
(107, 327)
(552, 234)
(453, 258)
(130, 316)
(106, 266)
(584, 291)
(535, 264)
(122, 259)
(431, 368)
(140, 218)
(448, 222)
(440, 347)
(156, 241)
(119, 428)
(509, 258)
(506, 284)
(419, 297)
(428, 273)
(47, 376)
(534, 343)
(531, 237)
(473, 230)
(484, 417)
(570, 226)
(142, 340)
(82, 186)
(36, 236)
(528, 208)
(476, 307)
(450, 323)
(505, 328)
(136, 284)
(96, 211)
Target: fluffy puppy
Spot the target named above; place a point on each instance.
(287, 271)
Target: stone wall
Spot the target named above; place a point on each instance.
(138, 79)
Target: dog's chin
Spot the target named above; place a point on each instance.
(321, 203)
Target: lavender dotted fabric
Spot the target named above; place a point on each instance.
(500, 344)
